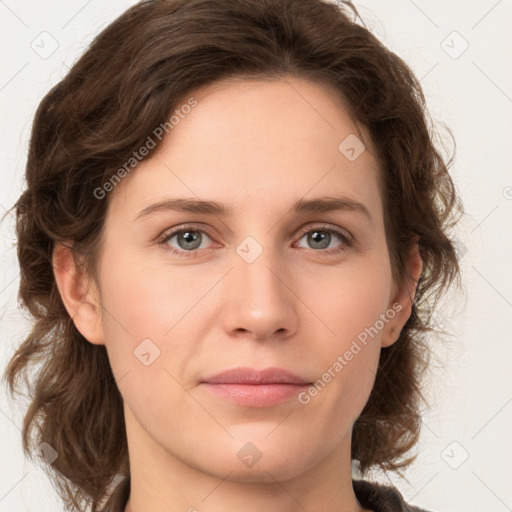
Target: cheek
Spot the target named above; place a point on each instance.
(150, 323)
(146, 331)
(352, 304)
(348, 299)
(146, 300)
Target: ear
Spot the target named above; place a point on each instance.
(403, 300)
(79, 294)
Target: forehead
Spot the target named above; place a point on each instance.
(251, 141)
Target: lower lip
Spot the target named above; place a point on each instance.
(256, 395)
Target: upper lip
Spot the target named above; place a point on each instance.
(247, 375)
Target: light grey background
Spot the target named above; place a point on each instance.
(464, 458)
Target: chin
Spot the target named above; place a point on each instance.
(273, 469)
(260, 460)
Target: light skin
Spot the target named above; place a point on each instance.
(257, 147)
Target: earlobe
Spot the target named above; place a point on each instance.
(403, 300)
(78, 294)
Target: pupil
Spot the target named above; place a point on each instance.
(320, 237)
(189, 238)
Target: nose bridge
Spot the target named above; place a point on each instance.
(257, 297)
(257, 271)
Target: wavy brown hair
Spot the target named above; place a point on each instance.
(129, 81)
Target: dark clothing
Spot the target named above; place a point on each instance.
(381, 498)
(372, 496)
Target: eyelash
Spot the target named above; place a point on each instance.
(347, 240)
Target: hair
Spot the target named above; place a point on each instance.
(127, 83)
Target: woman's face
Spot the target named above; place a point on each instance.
(265, 284)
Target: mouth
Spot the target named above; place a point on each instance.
(255, 388)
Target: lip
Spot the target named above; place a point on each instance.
(247, 375)
(255, 388)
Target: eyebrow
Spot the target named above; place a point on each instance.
(302, 206)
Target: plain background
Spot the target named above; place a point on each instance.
(459, 50)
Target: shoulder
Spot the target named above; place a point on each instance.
(381, 498)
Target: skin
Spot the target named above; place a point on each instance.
(257, 147)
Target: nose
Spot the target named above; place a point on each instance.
(260, 302)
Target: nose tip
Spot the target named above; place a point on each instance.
(258, 304)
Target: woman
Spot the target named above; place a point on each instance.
(234, 226)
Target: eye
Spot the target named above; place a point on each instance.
(188, 240)
(321, 237)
